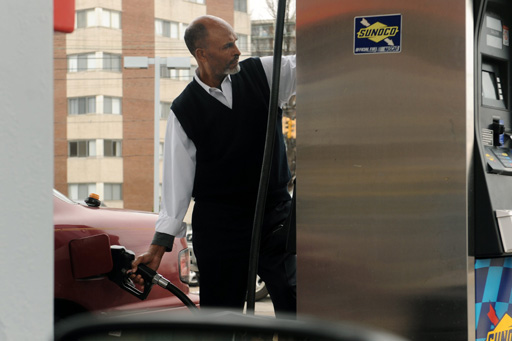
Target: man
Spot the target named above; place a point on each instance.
(213, 152)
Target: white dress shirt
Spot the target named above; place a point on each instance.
(179, 161)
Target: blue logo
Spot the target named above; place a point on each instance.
(378, 34)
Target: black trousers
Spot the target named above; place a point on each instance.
(221, 239)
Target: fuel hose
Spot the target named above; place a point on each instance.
(267, 160)
(156, 278)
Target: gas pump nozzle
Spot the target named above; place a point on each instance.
(122, 262)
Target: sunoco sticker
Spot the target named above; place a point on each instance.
(378, 34)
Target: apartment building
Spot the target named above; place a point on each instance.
(262, 37)
(104, 112)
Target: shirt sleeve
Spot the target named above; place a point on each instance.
(163, 239)
(288, 79)
(179, 165)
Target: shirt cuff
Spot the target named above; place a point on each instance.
(163, 239)
(172, 226)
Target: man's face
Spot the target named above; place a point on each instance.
(222, 51)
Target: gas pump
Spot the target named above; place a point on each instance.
(492, 242)
(404, 155)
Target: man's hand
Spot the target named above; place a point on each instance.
(151, 258)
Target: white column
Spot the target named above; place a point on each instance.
(26, 174)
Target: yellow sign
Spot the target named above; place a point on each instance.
(503, 330)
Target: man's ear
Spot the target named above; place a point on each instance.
(200, 54)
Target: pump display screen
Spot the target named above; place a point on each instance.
(493, 86)
(489, 89)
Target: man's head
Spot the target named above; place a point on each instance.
(212, 41)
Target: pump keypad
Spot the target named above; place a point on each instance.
(499, 160)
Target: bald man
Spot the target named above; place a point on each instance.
(213, 153)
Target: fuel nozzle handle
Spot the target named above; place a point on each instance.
(122, 262)
(150, 275)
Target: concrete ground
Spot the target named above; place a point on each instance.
(262, 307)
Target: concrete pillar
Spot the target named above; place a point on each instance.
(26, 171)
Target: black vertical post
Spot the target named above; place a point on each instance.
(267, 160)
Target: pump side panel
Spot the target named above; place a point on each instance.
(381, 169)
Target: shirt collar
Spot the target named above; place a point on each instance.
(208, 88)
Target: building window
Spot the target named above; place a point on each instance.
(112, 148)
(289, 29)
(111, 62)
(182, 31)
(113, 192)
(165, 108)
(110, 18)
(83, 148)
(263, 30)
(173, 73)
(161, 27)
(112, 105)
(80, 192)
(87, 62)
(164, 71)
(169, 29)
(82, 105)
(96, 17)
(161, 150)
(81, 62)
(265, 45)
(243, 42)
(241, 5)
(86, 18)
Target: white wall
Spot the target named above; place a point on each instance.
(26, 170)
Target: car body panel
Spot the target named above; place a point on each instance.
(132, 229)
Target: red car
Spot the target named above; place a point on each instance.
(132, 229)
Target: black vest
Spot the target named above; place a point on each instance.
(230, 142)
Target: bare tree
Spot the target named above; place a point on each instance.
(289, 22)
(289, 13)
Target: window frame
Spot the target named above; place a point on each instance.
(240, 6)
(75, 105)
(80, 62)
(80, 187)
(111, 62)
(114, 148)
(83, 149)
(109, 191)
(168, 29)
(165, 110)
(98, 17)
(110, 103)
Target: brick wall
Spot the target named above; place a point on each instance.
(221, 8)
(138, 106)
